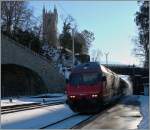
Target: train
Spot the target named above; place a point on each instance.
(90, 86)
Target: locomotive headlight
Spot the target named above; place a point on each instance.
(94, 95)
(72, 96)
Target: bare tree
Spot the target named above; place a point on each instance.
(88, 38)
(96, 55)
(138, 50)
(142, 41)
(14, 14)
(37, 26)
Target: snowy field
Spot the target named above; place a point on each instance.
(43, 116)
(144, 109)
(34, 99)
(35, 118)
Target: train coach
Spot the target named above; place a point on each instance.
(92, 85)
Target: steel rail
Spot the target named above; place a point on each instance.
(60, 121)
(28, 107)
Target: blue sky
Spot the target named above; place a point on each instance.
(112, 23)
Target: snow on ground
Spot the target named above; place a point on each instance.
(34, 99)
(35, 118)
(144, 108)
(59, 58)
(69, 124)
(43, 116)
(144, 104)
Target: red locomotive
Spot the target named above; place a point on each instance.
(91, 85)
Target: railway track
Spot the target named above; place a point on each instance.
(103, 110)
(23, 107)
(77, 120)
(86, 121)
(68, 122)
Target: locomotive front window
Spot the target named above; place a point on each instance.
(75, 79)
(90, 78)
(84, 78)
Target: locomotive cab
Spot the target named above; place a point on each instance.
(90, 86)
(85, 86)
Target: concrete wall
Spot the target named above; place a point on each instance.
(14, 53)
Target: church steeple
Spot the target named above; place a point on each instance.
(50, 20)
(43, 9)
(55, 10)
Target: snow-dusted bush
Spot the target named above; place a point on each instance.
(58, 58)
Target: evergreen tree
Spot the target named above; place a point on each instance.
(65, 38)
(82, 40)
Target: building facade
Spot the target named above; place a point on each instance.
(50, 20)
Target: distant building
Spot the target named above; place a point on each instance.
(50, 20)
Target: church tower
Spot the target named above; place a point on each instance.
(50, 20)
